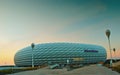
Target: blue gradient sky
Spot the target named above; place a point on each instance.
(25, 21)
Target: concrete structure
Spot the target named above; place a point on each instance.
(59, 53)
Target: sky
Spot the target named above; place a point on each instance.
(23, 22)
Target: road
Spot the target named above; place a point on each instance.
(86, 70)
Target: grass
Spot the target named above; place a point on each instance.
(12, 70)
(116, 68)
(9, 71)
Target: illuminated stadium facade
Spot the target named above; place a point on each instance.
(59, 53)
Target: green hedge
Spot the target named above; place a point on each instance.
(9, 71)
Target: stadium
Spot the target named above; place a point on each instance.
(59, 53)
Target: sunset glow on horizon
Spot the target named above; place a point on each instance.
(23, 22)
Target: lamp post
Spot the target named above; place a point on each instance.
(32, 45)
(114, 51)
(68, 64)
(108, 35)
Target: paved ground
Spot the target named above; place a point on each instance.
(87, 70)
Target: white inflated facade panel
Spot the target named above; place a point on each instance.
(59, 53)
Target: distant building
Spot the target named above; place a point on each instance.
(60, 53)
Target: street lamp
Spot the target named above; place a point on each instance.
(68, 64)
(108, 35)
(114, 51)
(32, 45)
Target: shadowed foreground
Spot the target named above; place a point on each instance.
(87, 70)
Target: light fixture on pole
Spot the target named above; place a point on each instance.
(114, 49)
(108, 35)
(114, 52)
(32, 45)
